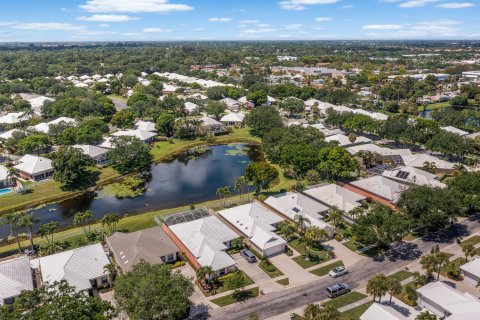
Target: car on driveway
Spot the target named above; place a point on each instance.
(338, 271)
(248, 255)
(337, 289)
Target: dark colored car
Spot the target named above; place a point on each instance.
(248, 255)
(337, 290)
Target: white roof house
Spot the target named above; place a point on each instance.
(378, 311)
(473, 135)
(145, 126)
(45, 126)
(78, 267)
(207, 239)
(445, 301)
(9, 134)
(98, 154)
(34, 167)
(381, 186)
(232, 104)
(198, 96)
(233, 118)
(344, 140)
(258, 223)
(418, 161)
(15, 277)
(3, 175)
(144, 136)
(191, 107)
(336, 196)
(374, 115)
(291, 204)
(455, 130)
(13, 118)
(415, 176)
(330, 132)
(380, 150)
(471, 271)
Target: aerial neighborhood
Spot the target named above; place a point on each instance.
(240, 181)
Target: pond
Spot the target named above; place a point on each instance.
(190, 178)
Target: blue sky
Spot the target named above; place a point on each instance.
(80, 20)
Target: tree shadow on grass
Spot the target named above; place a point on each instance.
(88, 181)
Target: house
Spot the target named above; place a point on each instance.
(232, 104)
(344, 140)
(98, 154)
(334, 195)
(420, 160)
(455, 130)
(83, 268)
(378, 311)
(203, 238)
(445, 301)
(210, 125)
(148, 126)
(169, 89)
(381, 186)
(471, 271)
(44, 127)
(4, 174)
(384, 152)
(258, 224)
(191, 107)
(34, 168)
(15, 276)
(233, 119)
(414, 176)
(374, 115)
(198, 96)
(473, 135)
(141, 135)
(151, 245)
(13, 118)
(291, 204)
(9, 134)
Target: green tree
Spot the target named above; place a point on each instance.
(312, 311)
(301, 222)
(26, 220)
(129, 154)
(260, 174)
(263, 120)
(48, 231)
(236, 281)
(153, 292)
(34, 143)
(166, 124)
(293, 106)
(394, 287)
(257, 97)
(215, 108)
(425, 315)
(335, 164)
(12, 220)
(57, 301)
(70, 166)
(377, 286)
(240, 183)
(111, 220)
(123, 119)
(223, 193)
(469, 250)
(467, 186)
(84, 219)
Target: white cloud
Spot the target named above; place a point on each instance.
(159, 6)
(219, 19)
(436, 29)
(263, 25)
(249, 21)
(302, 4)
(382, 27)
(456, 5)
(104, 25)
(322, 19)
(416, 3)
(199, 29)
(261, 30)
(47, 26)
(293, 26)
(107, 18)
(155, 30)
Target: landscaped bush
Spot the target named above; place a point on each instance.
(331, 253)
(410, 296)
(338, 237)
(268, 266)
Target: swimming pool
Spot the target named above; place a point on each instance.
(5, 191)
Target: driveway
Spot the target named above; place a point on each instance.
(348, 257)
(296, 274)
(197, 297)
(251, 269)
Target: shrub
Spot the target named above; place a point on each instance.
(331, 254)
(338, 237)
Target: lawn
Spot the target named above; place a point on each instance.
(229, 299)
(346, 299)
(271, 270)
(283, 282)
(350, 244)
(401, 275)
(355, 313)
(322, 271)
(317, 254)
(472, 240)
(220, 287)
(435, 106)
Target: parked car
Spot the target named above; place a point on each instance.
(338, 271)
(337, 290)
(248, 255)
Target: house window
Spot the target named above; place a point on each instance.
(104, 280)
(222, 272)
(9, 300)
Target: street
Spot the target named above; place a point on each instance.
(399, 257)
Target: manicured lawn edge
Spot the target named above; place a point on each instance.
(323, 271)
(228, 299)
(283, 282)
(355, 313)
(346, 299)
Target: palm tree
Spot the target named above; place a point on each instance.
(12, 220)
(223, 193)
(26, 220)
(469, 250)
(394, 287)
(315, 235)
(83, 220)
(430, 167)
(203, 273)
(47, 231)
(111, 220)
(428, 263)
(329, 313)
(335, 215)
(472, 161)
(356, 212)
(111, 270)
(442, 260)
(457, 169)
(377, 286)
(240, 183)
(301, 222)
(352, 137)
(312, 311)
(288, 230)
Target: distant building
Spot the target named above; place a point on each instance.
(233, 119)
(287, 58)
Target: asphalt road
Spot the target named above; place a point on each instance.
(289, 299)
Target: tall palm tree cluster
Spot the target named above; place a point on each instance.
(17, 222)
(379, 285)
